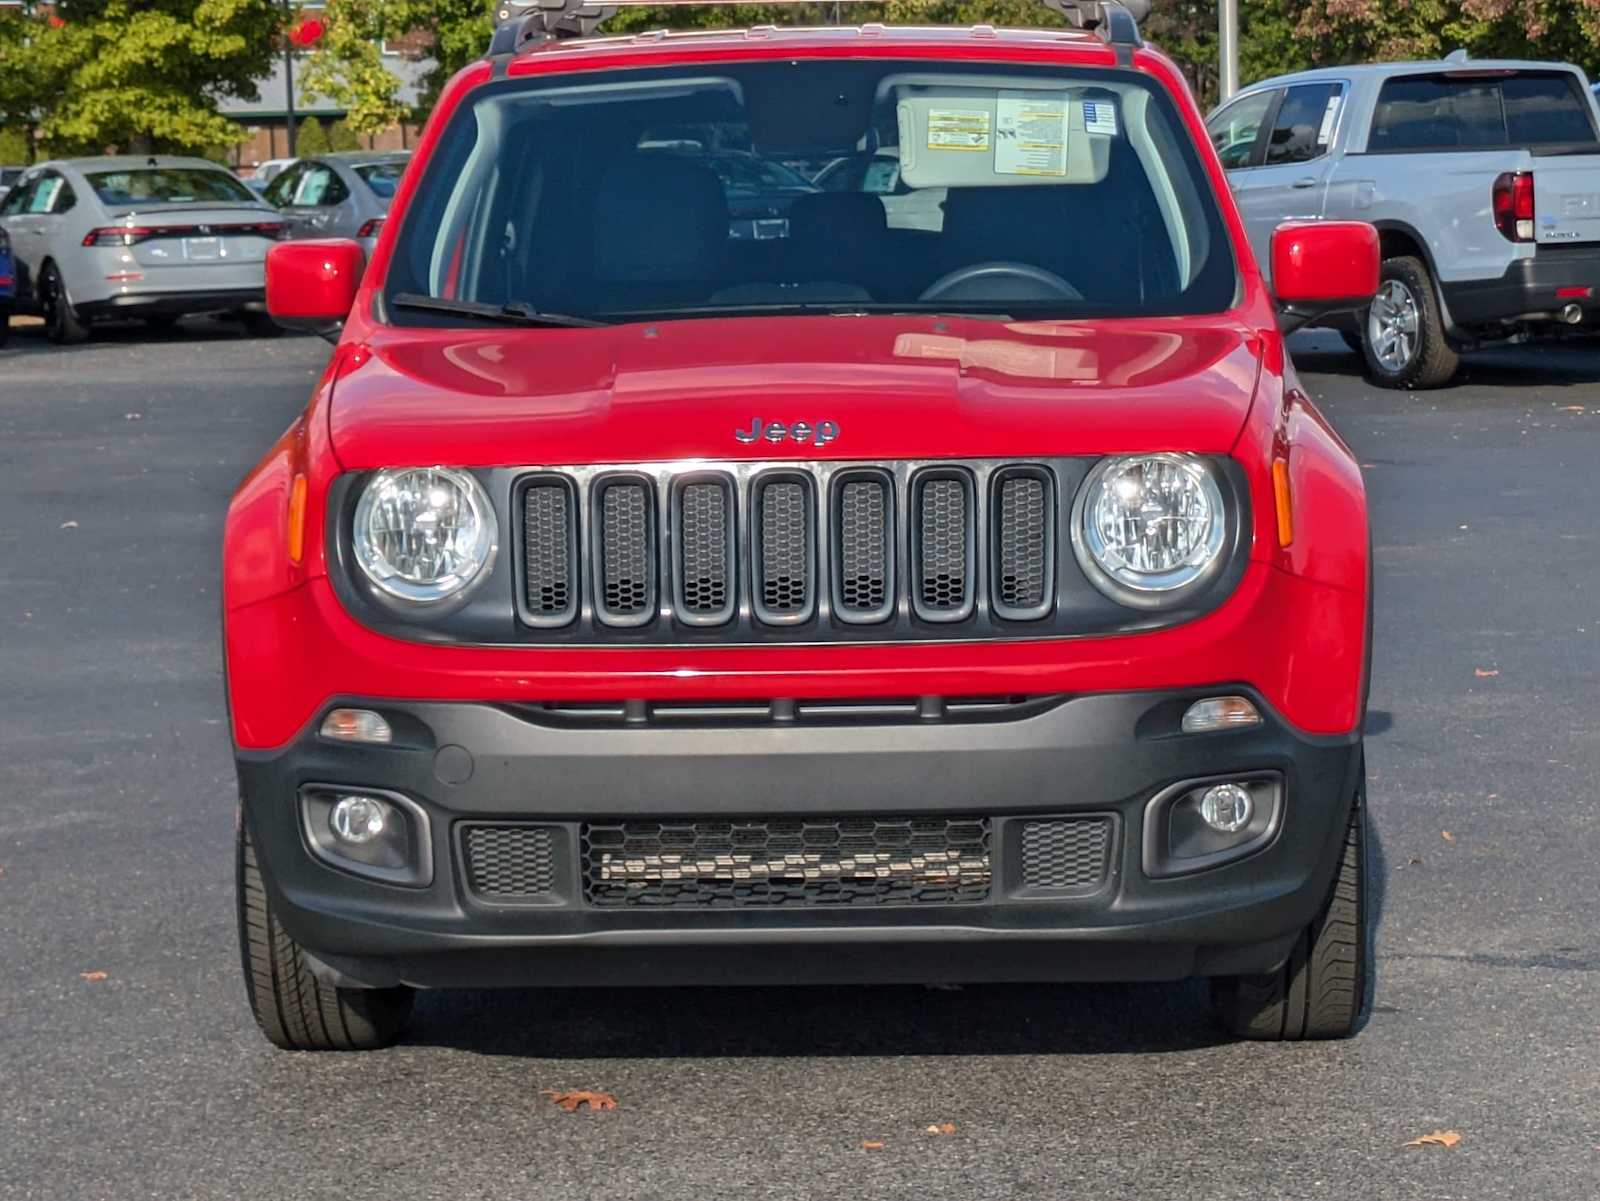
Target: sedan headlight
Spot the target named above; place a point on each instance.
(1149, 529)
(424, 534)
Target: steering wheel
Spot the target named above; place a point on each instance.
(1000, 282)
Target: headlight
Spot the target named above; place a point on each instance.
(1146, 528)
(424, 534)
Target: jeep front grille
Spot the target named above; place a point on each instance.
(703, 568)
(798, 552)
(550, 553)
(865, 577)
(625, 542)
(710, 864)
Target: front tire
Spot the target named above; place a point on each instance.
(1402, 331)
(294, 1009)
(61, 322)
(1320, 991)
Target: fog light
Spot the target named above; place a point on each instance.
(371, 833)
(1220, 713)
(1226, 808)
(356, 725)
(357, 819)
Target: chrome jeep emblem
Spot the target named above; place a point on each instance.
(820, 434)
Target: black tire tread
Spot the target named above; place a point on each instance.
(63, 326)
(1436, 362)
(1320, 990)
(294, 1009)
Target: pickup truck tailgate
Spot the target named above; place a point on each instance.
(1566, 198)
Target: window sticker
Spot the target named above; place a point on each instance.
(1100, 116)
(1030, 136)
(958, 129)
(1329, 114)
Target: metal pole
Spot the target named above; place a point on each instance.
(288, 75)
(1227, 48)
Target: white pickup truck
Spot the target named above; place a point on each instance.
(1482, 177)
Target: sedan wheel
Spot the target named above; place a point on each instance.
(61, 324)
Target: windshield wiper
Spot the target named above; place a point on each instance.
(515, 313)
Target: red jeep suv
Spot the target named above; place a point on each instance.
(671, 580)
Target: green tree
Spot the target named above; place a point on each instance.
(310, 138)
(342, 137)
(1276, 36)
(139, 74)
(347, 66)
(14, 146)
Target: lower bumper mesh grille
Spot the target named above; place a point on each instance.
(508, 862)
(817, 862)
(1070, 853)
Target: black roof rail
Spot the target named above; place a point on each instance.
(521, 22)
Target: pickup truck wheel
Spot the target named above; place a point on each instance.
(1320, 991)
(294, 1009)
(1402, 332)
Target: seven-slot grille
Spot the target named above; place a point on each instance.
(727, 550)
(803, 862)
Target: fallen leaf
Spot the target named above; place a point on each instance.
(942, 1128)
(1439, 1138)
(1414, 861)
(92, 977)
(571, 1101)
(69, 525)
(1485, 673)
(871, 1145)
(1572, 408)
(1447, 836)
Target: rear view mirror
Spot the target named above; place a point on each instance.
(312, 284)
(1322, 267)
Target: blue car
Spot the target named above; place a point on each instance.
(8, 286)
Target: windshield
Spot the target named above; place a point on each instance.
(993, 189)
(382, 178)
(168, 185)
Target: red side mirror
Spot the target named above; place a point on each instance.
(1322, 267)
(312, 284)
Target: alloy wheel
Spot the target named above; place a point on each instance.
(1392, 323)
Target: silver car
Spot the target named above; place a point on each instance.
(153, 237)
(338, 195)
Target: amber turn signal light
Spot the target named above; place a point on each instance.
(297, 518)
(1280, 493)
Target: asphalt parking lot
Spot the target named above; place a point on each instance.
(116, 821)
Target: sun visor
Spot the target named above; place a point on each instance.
(960, 137)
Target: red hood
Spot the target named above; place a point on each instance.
(896, 387)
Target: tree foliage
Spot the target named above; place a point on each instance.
(342, 136)
(347, 66)
(133, 74)
(310, 138)
(1276, 36)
